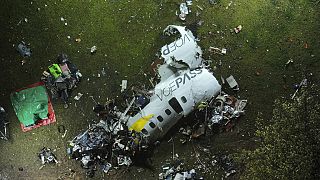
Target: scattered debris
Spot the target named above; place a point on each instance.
(201, 8)
(200, 22)
(3, 124)
(224, 51)
(176, 171)
(229, 5)
(213, 2)
(78, 96)
(120, 135)
(23, 49)
(124, 85)
(304, 82)
(108, 144)
(93, 49)
(216, 50)
(226, 108)
(106, 167)
(184, 11)
(232, 83)
(189, 2)
(103, 72)
(290, 61)
(238, 29)
(46, 156)
(62, 78)
(227, 164)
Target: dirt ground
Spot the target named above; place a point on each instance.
(128, 35)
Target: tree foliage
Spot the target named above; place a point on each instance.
(290, 142)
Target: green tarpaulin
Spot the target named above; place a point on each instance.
(30, 105)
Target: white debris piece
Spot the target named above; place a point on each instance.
(224, 51)
(238, 29)
(232, 82)
(124, 85)
(184, 51)
(77, 97)
(184, 11)
(189, 2)
(93, 49)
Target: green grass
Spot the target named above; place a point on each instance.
(128, 33)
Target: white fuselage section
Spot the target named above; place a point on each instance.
(173, 99)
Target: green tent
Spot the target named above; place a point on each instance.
(30, 105)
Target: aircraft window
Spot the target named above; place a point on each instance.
(160, 118)
(173, 102)
(151, 124)
(168, 112)
(144, 131)
(183, 99)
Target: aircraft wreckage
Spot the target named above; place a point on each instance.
(185, 82)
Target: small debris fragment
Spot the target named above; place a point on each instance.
(93, 49)
(124, 85)
(238, 29)
(290, 61)
(184, 11)
(176, 171)
(24, 50)
(77, 97)
(201, 8)
(232, 83)
(212, 2)
(3, 124)
(229, 5)
(46, 156)
(224, 51)
(189, 2)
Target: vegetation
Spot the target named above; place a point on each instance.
(290, 144)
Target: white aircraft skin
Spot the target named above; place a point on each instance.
(174, 98)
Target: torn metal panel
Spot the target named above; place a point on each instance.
(184, 51)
